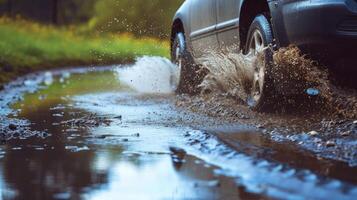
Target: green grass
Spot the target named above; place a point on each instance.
(26, 46)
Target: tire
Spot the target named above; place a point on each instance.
(189, 77)
(261, 94)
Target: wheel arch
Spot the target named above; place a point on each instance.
(177, 26)
(249, 10)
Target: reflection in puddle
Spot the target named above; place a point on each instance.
(158, 180)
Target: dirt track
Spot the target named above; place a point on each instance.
(269, 144)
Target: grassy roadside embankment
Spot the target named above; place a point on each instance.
(27, 47)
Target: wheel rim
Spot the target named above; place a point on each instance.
(256, 42)
(256, 45)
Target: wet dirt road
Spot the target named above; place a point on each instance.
(95, 137)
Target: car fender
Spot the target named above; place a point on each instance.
(183, 14)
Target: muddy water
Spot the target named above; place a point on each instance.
(112, 155)
(101, 139)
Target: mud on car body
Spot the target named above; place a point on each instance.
(205, 25)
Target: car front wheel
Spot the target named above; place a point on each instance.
(261, 93)
(189, 77)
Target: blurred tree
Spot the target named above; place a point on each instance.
(54, 11)
(148, 18)
(75, 11)
(9, 7)
(140, 17)
(39, 10)
(59, 12)
(6, 7)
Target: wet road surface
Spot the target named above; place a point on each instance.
(100, 139)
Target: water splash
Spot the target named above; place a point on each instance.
(229, 73)
(150, 75)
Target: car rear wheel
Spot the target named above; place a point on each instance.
(189, 78)
(261, 93)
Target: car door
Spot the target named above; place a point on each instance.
(203, 19)
(227, 23)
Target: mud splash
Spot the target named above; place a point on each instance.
(294, 72)
(151, 75)
(296, 69)
(291, 72)
(298, 81)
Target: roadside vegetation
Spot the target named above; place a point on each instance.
(28, 46)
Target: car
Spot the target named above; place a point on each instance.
(327, 25)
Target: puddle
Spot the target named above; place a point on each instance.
(102, 140)
(103, 155)
(262, 147)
